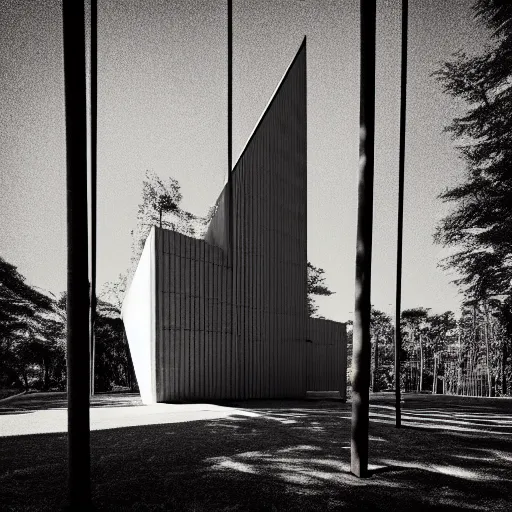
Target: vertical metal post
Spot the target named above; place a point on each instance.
(230, 126)
(361, 334)
(230, 215)
(94, 145)
(401, 175)
(77, 275)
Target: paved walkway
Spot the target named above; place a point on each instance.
(46, 413)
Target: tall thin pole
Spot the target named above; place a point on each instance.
(94, 145)
(401, 175)
(361, 334)
(78, 283)
(231, 223)
(230, 127)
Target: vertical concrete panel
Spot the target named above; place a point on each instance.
(188, 316)
(262, 350)
(163, 262)
(138, 315)
(222, 331)
(326, 365)
(202, 320)
(192, 346)
(227, 330)
(207, 324)
(215, 330)
(173, 321)
(211, 323)
(159, 328)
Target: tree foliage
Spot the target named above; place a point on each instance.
(316, 286)
(382, 355)
(480, 223)
(32, 333)
(479, 226)
(161, 206)
(113, 364)
(33, 338)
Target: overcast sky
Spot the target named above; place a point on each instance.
(162, 103)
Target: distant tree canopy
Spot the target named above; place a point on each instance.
(33, 338)
(113, 363)
(32, 333)
(382, 339)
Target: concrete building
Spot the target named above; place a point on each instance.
(202, 325)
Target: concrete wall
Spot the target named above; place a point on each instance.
(197, 357)
(239, 328)
(327, 356)
(194, 350)
(138, 313)
(270, 246)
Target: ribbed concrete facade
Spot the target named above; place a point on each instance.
(270, 246)
(239, 329)
(195, 358)
(327, 356)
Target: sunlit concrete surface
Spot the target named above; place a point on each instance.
(51, 421)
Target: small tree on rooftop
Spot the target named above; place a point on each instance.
(161, 206)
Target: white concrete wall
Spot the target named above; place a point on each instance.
(138, 313)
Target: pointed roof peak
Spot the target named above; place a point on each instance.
(300, 51)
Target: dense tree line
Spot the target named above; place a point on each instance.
(32, 333)
(33, 339)
(479, 225)
(440, 353)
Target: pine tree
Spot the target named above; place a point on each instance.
(161, 206)
(480, 225)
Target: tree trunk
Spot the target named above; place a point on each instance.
(434, 382)
(459, 368)
(46, 379)
(375, 365)
(504, 370)
(421, 363)
(160, 217)
(487, 349)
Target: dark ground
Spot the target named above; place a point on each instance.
(453, 453)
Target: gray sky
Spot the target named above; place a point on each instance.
(162, 106)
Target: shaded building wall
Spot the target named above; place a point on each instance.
(270, 246)
(197, 287)
(194, 354)
(327, 356)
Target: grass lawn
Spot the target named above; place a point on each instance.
(453, 453)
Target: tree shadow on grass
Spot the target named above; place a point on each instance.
(58, 400)
(292, 456)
